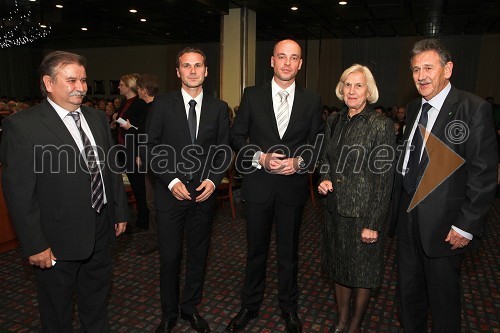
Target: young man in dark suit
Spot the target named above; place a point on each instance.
(188, 152)
(273, 125)
(66, 199)
(443, 190)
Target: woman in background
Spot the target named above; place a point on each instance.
(133, 111)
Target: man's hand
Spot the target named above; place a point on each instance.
(180, 192)
(456, 240)
(272, 161)
(369, 236)
(208, 189)
(42, 259)
(289, 166)
(325, 186)
(120, 228)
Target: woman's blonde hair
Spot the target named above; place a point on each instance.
(370, 83)
(130, 81)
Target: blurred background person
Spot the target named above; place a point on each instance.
(147, 88)
(134, 112)
(357, 196)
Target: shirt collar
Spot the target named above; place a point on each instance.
(60, 111)
(438, 100)
(276, 89)
(186, 97)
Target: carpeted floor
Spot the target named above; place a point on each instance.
(134, 304)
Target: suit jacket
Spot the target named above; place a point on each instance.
(255, 129)
(136, 114)
(171, 154)
(47, 185)
(361, 185)
(464, 198)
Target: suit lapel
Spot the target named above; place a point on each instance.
(447, 110)
(268, 108)
(53, 122)
(180, 112)
(413, 109)
(205, 117)
(95, 128)
(298, 106)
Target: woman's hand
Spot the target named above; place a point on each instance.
(325, 186)
(126, 125)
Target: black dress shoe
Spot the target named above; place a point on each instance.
(292, 323)
(166, 327)
(197, 322)
(241, 320)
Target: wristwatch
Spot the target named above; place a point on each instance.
(302, 163)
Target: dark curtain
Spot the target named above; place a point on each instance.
(18, 72)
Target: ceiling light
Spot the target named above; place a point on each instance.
(32, 0)
(43, 26)
(294, 8)
(59, 6)
(133, 10)
(84, 29)
(143, 20)
(342, 3)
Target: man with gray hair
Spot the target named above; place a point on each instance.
(444, 188)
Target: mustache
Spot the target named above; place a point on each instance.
(78, 93)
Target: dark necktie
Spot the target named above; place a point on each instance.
(192, 120)
(96, 186)
(411, 180)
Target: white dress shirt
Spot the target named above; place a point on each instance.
(75, 133)
(275, 90)
(199, 100)
(436, 104)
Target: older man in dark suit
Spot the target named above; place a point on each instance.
(278, 120)
(443, 193)
(65, 197)
(188, 148)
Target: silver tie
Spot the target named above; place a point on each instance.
(282, 113)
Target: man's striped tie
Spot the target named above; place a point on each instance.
(282, 116)
(96, 186)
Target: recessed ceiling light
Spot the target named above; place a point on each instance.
(85, 29)
(294, 8)
(133, 10)
(59, 6)
(342, 3)
(143, 20)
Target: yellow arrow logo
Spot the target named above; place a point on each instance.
(443, 162)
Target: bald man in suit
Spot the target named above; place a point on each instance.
(274, 123)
